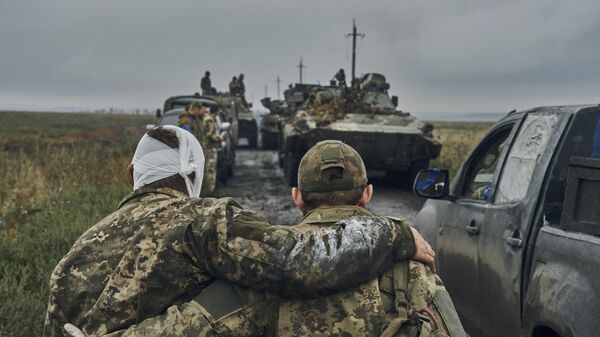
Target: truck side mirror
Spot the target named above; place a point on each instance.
(432, 183)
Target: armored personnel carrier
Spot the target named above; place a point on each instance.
(270, 124)
(280, 111)
(364, 116)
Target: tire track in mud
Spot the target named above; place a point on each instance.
(258, 185)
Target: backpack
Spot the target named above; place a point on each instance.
(438, 319)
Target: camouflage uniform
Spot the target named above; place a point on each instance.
(143, 268)
(398, 300)
(210, 144)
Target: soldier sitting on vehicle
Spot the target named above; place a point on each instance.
(233, 87)
(205, 84)
(154, 266)
(340, 76)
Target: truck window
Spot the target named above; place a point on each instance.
(528, 146)
(481, 170)
(581, 140)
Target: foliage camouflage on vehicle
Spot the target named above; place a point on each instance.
(363, 116)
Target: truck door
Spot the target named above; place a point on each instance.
(458, 236)
(503, 231)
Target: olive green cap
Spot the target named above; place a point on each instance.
(331, 165)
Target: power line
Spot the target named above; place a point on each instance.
(278, 90)
(354, 34)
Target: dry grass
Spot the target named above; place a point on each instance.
(59, 174)
(458, 140)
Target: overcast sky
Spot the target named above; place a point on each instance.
(439, 56)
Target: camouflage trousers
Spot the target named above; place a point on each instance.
(210, 171)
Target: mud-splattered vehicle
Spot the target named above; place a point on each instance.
(228, 108)
(517, 233)
(364, 116)
(270, 124)
(246, 125)
(280, 111)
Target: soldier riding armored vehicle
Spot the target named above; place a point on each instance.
(365, 117)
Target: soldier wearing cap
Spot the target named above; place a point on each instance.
(407, 300)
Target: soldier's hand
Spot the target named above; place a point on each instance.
(73, 330)
(424, 252)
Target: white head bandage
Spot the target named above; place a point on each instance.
(154, 160)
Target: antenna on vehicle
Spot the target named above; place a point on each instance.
(354, 34)
(278, 83)
(301, 66)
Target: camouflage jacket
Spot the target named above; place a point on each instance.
(363, 311)
(211, 134)
(161, 249)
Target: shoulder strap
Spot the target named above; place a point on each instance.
(400, 274)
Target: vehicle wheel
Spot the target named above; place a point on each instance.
(290, 168)
(269, 141)
(253, 141)
(231, 166)
(222, 174)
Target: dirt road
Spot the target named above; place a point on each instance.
(258, 184)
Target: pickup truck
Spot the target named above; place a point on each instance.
(517, 232)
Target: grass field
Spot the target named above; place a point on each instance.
(61, 173)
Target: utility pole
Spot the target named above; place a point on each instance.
(354, 35)
(266, 90)
(278, 90)
(301, 66)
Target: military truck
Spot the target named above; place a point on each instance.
(517, 232)
(248, 127)
(364, 116)
(229, 108)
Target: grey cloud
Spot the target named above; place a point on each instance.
(438, 55)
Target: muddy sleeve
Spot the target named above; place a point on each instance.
(241, 246)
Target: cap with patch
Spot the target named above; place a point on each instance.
(331, 165)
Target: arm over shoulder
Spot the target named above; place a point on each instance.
(241, 246)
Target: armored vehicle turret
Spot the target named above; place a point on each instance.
(364, 116)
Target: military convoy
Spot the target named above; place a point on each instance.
(363, 116)
(227, 122)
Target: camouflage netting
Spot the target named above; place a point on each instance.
(326, 109)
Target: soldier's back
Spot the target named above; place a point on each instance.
(127, 267)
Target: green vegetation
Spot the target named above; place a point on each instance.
(62, 173)
(59, 174)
